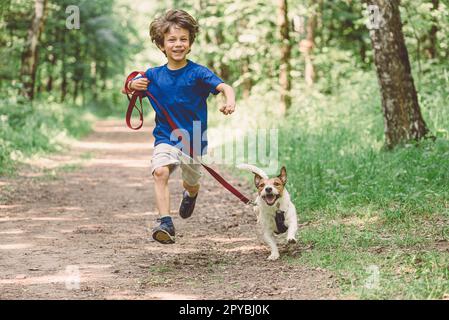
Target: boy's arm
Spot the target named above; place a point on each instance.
(229, 94)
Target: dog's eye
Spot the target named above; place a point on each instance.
(277, 184)
(261, 185)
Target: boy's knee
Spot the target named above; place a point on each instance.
(161, 173)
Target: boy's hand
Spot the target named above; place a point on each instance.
(228, 108)
(228, 92)
(139, 84)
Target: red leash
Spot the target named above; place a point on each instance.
(132, 105)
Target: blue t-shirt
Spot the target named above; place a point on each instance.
(183, 94)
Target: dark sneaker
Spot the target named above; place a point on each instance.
(165, 232)
(187, 205)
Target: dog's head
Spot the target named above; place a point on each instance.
(270, 190)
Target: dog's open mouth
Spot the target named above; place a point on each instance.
(270, 199)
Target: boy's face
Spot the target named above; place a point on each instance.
(176, 44)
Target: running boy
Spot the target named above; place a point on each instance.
(181, 87)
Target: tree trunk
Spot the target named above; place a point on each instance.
(431, 49)
(223, 68)
(78, 72)
(105, 76)
(247, 82)
(63, 83)
(402, 114)
(94, 73)
(52, 58)
(30, 52)
(75, 90)
(362, 50)
(285, 67)
(51, 67)
(306, 46)
(63, 70)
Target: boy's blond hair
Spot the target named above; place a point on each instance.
(171, 18)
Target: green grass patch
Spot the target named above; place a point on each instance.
(38, 127)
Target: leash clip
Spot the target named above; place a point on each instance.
(251, 203)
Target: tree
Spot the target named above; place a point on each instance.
(306, 45)
(402, 114)
(30, 52)
(286, 48)
(431, 49)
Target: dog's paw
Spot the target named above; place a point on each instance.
(291, 241)
(273, 256)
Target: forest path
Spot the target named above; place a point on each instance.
(85, 215)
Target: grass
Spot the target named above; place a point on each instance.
(378, 219)
(35, 128)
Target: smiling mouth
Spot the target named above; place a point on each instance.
(271, 198)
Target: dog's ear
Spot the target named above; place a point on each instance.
(257, 180)
(283, 175)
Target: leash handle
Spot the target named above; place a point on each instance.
(132, 97)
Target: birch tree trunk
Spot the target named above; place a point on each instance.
(402, 115)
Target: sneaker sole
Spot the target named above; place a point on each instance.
(163, 237)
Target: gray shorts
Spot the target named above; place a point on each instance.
(167, 155)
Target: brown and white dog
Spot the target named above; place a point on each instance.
(275, 211)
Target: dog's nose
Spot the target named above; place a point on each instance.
(268, 189)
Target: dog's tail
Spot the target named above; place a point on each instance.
(253, 169)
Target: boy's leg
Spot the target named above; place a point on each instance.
(163, 163)
(165, 232)
(191, 175)
(161, 190)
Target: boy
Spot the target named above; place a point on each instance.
(181, 87)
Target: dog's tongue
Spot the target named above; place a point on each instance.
(270, 198)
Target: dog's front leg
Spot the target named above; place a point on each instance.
(269, 239)
(292, 221)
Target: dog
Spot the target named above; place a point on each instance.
(275, 212)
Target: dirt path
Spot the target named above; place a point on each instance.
(91, 222)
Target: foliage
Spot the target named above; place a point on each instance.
(28, 129)
(78, 70)
(73, 63)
